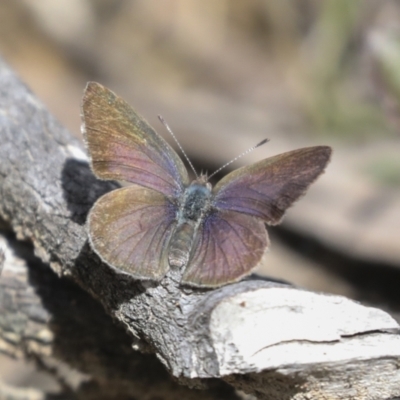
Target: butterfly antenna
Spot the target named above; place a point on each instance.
(239, 156)
(179, 145)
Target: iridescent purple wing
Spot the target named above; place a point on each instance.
(123, 146)
(130, 229)
(228, 247)
(266, 189)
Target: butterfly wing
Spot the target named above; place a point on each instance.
(129, 228)
(123, 146)
(229, 246)
(266, 189)
(232, 239)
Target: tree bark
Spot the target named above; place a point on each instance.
(265, 338)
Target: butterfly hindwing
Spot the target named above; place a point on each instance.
(267, 188)
(130, 229)
(123, 146)
(228, 247)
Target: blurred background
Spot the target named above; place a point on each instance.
(225, 75)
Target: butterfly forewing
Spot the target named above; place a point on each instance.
(266, 189)
(229, 246)
(130, 229)
(123, 146)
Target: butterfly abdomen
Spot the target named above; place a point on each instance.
(195, 204)
(181, 245)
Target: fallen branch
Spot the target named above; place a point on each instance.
(266, 338)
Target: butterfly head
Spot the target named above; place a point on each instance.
(202, 180)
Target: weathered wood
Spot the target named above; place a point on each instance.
(269, 339)
(57, 323)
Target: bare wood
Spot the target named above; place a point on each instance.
(268, 339)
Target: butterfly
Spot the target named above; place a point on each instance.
(214, 236)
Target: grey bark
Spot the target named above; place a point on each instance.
(265, 338)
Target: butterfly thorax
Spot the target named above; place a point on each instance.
(194, 205)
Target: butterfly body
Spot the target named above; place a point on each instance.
(194, 206)
(212, 235)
